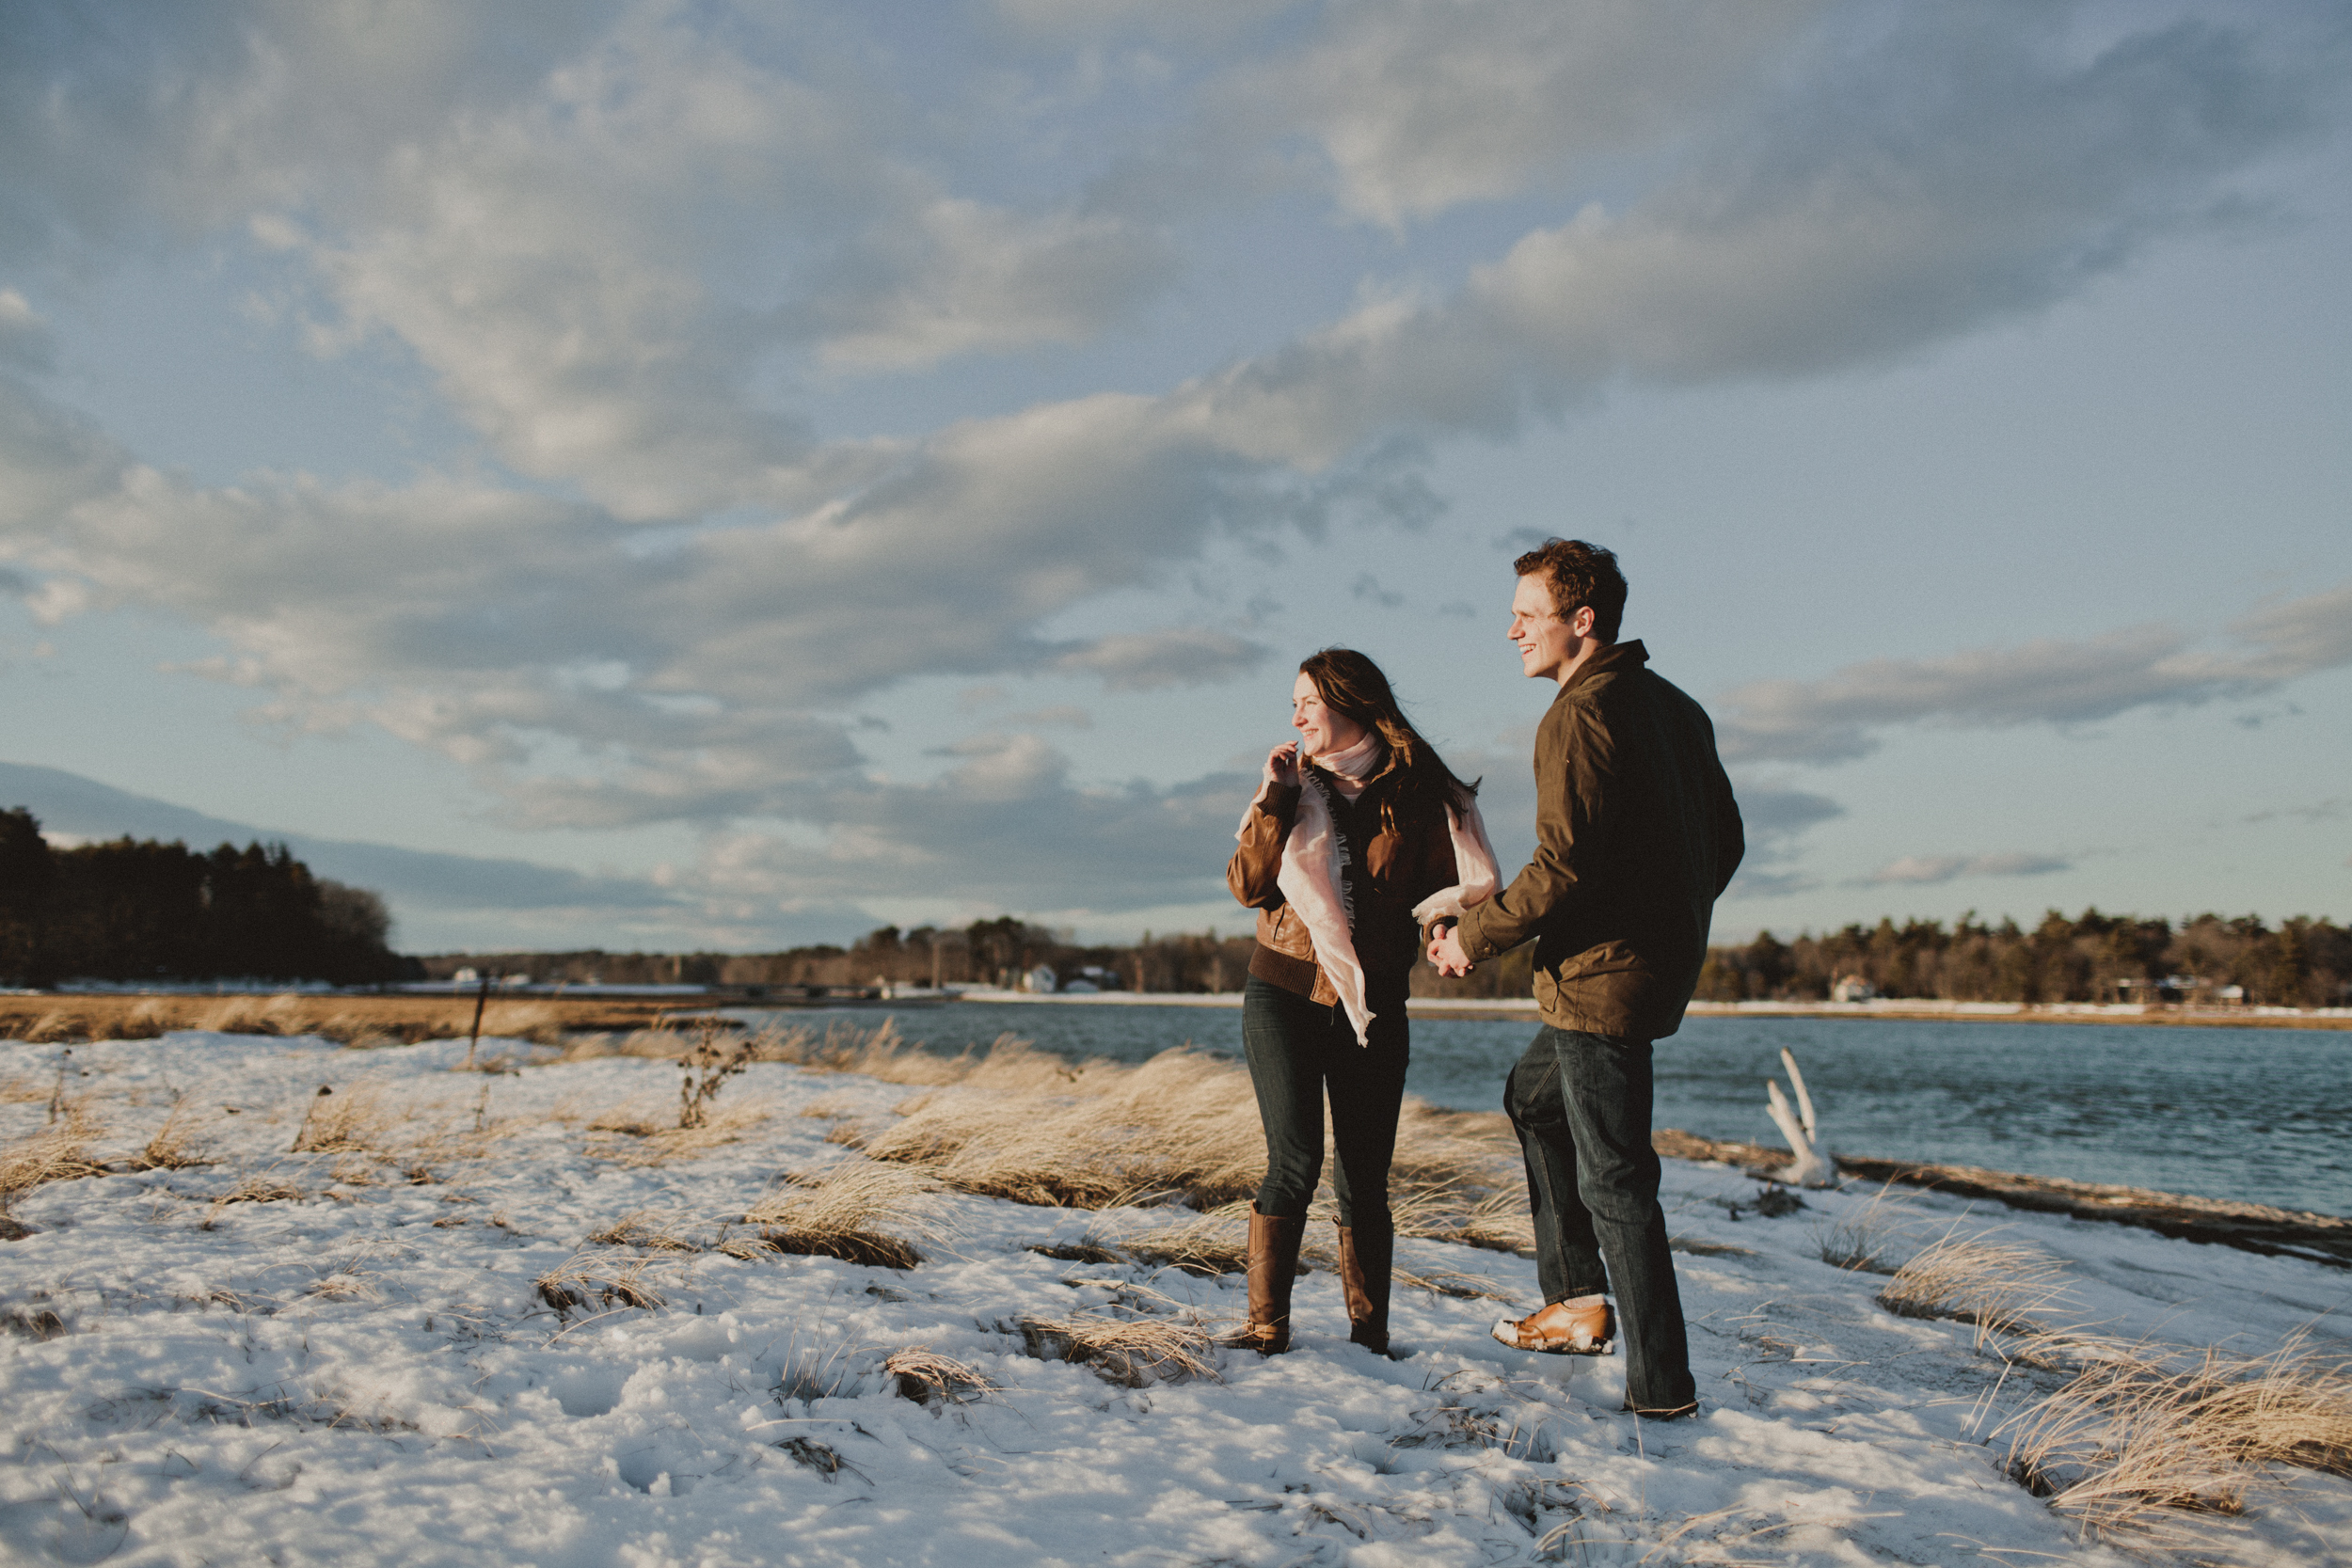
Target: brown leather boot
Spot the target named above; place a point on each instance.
(1366, 1253)
(1561, 1329)
(1273, 1265)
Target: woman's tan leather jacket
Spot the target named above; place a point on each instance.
(1403, 857)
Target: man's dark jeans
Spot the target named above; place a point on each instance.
(1297, 1051)
(1581, 1104)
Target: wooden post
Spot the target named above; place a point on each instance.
(481, 1001)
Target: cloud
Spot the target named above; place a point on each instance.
(2319, 810)
(1418, 107)
(1066, 715)
(1925, 869)
(2052, 681)
(1774, 819)
(1135, 661)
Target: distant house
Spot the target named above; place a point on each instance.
(1040, 978)
(1853, 987)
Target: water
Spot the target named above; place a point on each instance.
(2260, 1115)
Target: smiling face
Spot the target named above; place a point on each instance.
(1321, 731)
(1549, 646)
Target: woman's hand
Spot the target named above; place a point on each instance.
(1281, 764)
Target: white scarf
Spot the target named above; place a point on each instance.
(1312, 875)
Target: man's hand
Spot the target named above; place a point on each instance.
(1281, 764)
(1445, 950)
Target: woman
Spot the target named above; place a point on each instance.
(1359, 836)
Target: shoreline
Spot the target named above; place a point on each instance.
(2247, 1226)
(2155, 1014)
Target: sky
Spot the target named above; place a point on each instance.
(722, 475)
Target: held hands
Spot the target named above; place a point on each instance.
(1281, 764)
(1445, 950)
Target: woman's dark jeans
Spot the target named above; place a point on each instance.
(1299, 1051)
(1581, 1104)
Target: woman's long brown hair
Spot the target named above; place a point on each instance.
(1353, 687)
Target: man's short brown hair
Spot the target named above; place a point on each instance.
(1579, 574)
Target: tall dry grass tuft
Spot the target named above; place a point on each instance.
(1132, 1352)
(172, 1146)
(588, 1278)
(283, 1014)
(261, 1186)
(645, 1138)
(855, 1211)
(2150, 1430)
(648, 1231)
(1971, 1278)
(1209, 1244)
(56, 1153)
(1179, 1123)
(353, 1122)
(1868, 1240)
(923, 1375)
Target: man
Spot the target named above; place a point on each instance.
(1636, 835)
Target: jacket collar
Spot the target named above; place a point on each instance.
(1616, 659)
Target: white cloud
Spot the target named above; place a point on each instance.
(1926, 869)
(2049, 681)
(1138, 662)
(1421, 106)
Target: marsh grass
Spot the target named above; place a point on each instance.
(1209, 1244)
(858, 1212)
(60, 1152)
(811, 1370)
(1455, 1283)
(1971, 1278)
(1875, 1238)
(588, 1278)
(1132, 1352)
(926, 1376)
(357, 1121)
(261, 1186)
(648, 1231)
(18, 1089)
(2147, 1431)
(642, 1142)
(172, 1146)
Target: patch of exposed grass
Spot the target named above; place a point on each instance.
(1971, 1278)
(589, 1278)
(356, 1122)
(173, 1147)
(648, 1231)
(1128, 1351)
(860, 1212)
(57, 1153)
(924, 1376)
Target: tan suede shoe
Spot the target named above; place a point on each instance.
(1563, 1330)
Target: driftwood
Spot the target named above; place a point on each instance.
(2248, 1226)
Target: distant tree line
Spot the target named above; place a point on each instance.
(2094, 957)
(2300, 962)
(137, 909)
(986, 952)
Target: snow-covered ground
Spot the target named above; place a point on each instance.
(366, 1372)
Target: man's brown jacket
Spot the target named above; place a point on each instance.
(1636, 834)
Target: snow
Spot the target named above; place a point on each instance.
(367, 1372)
